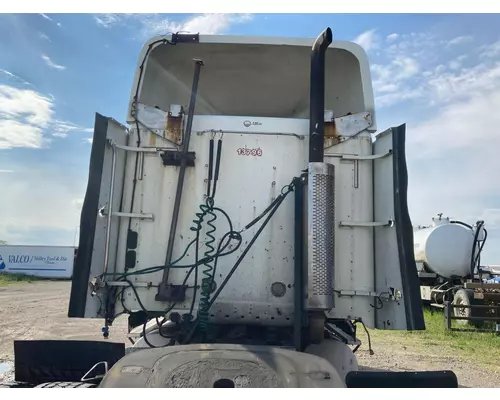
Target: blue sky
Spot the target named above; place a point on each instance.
(438, 73)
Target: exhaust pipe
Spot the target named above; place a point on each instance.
(320, 198)
(317, 96)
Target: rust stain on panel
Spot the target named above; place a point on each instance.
(174, 128)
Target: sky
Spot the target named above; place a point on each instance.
(438, 73)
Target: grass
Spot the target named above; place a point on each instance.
(9, 279)
(481, 348)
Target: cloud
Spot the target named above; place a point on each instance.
(6, 171)
(491, 50)
(467, 126)
(41, 200)
(367, 40)
(14, 77)
(18, 134)
(392, 37)
(45, 37)
(108, 20)
(63, 128)
(46, 17)
(452, 159)
(389, 80)
(25, 115)
(25, 104)
(460, 40)
(52, 64)
(457, 62)
(50, 19)
(456, 86)
(416, 68)
(156, 24)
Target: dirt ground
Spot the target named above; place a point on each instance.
(39, 311)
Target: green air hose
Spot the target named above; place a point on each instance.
(207, 210)
(206, 282)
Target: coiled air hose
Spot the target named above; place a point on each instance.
(207, 210)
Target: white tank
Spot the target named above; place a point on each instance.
(444, 247)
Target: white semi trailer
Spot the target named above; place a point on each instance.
(246, 221)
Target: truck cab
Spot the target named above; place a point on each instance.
(248, 201)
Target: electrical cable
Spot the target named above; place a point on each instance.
(231, 235)
(367, 334)
(250, 244)
(242, 256)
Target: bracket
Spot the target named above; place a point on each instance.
(173, 158)
(390, 294)
(147, 216)
(353, 224)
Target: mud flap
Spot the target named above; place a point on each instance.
(40, 361)
(395, 268)
(426, 379)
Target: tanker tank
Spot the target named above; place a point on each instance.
(445, 248)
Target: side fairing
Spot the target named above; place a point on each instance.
(395, 267)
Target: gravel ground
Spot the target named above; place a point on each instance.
(39, 311)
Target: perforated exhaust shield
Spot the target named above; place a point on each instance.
(321, 231)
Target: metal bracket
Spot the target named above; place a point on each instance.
(339, 334)
(366, 158)
(145, 216)
(390, 294)
(185, 38)
(85, 377)
(139, 149)
(353, 224)
(126, 284)
(353, 157)
(175, 293)
(173, 158)
(224, 132)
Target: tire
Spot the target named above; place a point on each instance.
(466, 297)
(66, 385)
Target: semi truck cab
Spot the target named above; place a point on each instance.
(248, 217)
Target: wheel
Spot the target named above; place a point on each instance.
(66, 385)
(466, 297)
